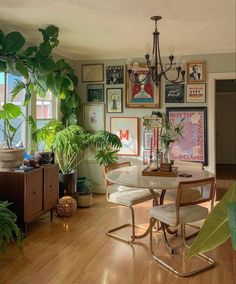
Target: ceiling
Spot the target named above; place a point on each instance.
(110, 29)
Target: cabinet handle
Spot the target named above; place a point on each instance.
(50, 185)
(34, 192)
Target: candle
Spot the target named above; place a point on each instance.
(150, 147)
(157, 142)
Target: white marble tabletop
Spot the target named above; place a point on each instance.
(132, 176)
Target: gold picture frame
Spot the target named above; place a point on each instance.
(196, 72)
(92, 73)
(144, 96)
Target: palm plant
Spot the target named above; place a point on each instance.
(9, 231)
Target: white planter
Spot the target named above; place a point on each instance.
(11, 158)
(84, 200)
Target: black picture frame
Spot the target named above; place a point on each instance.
(174, 93)
(95, 93)
(194, 145)
(114, 75)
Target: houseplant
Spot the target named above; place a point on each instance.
(219, 226)
(41, 72)
(10, 157)
(69, 144)
(9, 231)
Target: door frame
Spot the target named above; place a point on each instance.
(212, 115)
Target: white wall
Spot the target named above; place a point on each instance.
(214, 63)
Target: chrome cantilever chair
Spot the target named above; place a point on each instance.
(125, 196)
(184, 210)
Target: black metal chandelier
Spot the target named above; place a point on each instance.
(154, 64)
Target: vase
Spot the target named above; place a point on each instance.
(166, 154)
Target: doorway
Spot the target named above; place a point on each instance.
(225, 114)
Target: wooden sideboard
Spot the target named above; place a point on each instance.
(31, 193)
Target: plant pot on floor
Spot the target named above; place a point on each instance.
(84, 194)
(11, 158)
(67, 184)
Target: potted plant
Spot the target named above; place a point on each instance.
(9, 231)
(43, 139)
(84, 192)
(10, 156)
(68, 146)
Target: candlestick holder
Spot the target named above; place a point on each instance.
(158, 158)
(150, 159)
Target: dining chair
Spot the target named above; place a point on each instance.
(170, 195)
(127, 197)
(184, 210)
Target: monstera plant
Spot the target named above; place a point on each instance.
(40, 70)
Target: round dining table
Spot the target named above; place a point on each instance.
(132, 176)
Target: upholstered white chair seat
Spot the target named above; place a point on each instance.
(130, 197)
(116, 187)
(167, 213)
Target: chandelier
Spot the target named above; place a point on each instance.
(154, 65)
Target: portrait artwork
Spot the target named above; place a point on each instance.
(196, 72)
(114, 100)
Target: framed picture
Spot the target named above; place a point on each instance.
(142, 96)
(94, 117)
(114, 75)
(92, 73)
(146, 157)
(174, 93)
(127, 129)
(95, 93)
(114, 100)
(196, 93)
(147, 140)
(193, 145)
(196, 72)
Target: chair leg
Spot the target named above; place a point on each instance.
(210, 261)
(171, 250)
(132, 225)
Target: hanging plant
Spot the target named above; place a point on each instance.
(40, 71)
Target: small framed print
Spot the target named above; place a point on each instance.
(196, 72)
(92, 73)
(114, 75)
(94, 117)
(174, 93)
(127, 129)
(95, 93)
(114, 100)
(146, 157)
(146, 95)
(147, 140)
(196, 93)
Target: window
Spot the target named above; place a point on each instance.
(7, 82)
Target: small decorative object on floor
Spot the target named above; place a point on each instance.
(66, 206)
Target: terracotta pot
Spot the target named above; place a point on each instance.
(11, 158)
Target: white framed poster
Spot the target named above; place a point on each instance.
(196, 93)
(127, 129)
(94, 117)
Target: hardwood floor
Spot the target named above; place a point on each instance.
(77, 250)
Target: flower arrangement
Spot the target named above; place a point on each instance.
(168, 132)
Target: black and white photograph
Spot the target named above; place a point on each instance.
(196, 72)
(114, 75)
(95, 93)
(174, 93)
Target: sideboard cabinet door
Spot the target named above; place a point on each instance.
(33, 194)
(51, 184)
